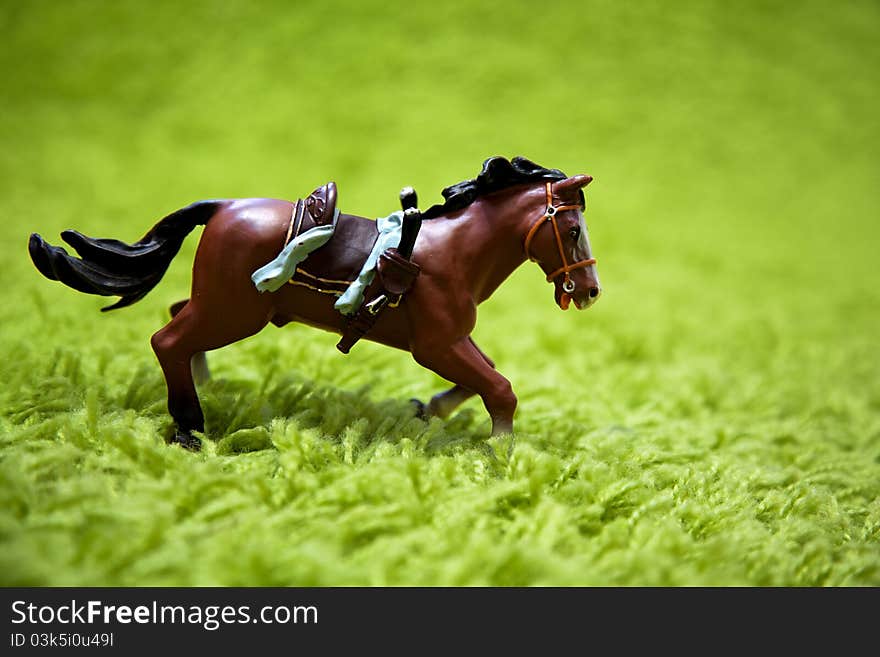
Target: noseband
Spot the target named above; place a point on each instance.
(550, 215)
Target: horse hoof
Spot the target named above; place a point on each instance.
(419, 409)
(186, 440)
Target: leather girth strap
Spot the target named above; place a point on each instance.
(395, 276)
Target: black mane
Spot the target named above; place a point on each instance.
(498, 173)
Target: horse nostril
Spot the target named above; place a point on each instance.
(594, 292)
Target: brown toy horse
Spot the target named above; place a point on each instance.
(487, 227)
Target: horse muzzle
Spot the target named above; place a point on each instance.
(582, 299)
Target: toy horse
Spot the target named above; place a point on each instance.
(466, 247)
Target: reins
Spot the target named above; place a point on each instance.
(550, 215)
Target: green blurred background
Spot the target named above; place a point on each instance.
(713, 420)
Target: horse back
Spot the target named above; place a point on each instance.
(243, 235)
(247, 233)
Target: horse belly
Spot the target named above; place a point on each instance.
(296, 303)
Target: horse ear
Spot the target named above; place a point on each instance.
(575, 182)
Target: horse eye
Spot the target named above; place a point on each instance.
(575, 232)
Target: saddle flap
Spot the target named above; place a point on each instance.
(396, 273)
(321, 204)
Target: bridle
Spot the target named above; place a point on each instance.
(550, 215)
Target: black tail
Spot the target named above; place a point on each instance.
(111, 267)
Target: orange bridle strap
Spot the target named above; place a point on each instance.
(550, 215)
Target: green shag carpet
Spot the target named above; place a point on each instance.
(713, 420)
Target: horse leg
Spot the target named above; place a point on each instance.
(444, 403)
(465, 365)
(196, 329)
(201, 373)
(174, 353)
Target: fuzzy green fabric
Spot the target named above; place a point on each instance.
(713, 420)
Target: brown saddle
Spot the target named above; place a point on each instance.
(321, 204)
(332, 267)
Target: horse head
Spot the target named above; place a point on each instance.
(559, 243)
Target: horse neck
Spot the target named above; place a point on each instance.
(490, 237)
